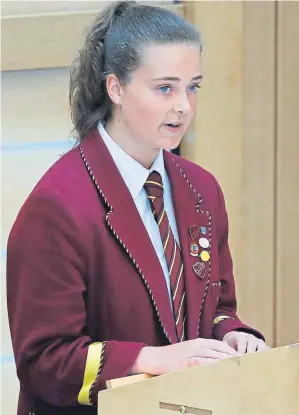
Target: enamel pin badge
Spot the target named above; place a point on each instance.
(199, 269)
(194, 232)
(194, 249)
(199, 247)
(203, 230)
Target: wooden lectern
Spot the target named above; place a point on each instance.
(264, 383)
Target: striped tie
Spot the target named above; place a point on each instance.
(154, 190)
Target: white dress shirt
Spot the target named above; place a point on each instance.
(135, 175)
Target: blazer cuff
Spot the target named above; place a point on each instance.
(93, 368)
(117, 360)
(223, 324)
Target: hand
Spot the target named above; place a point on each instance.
(244, 342)
(166, 359)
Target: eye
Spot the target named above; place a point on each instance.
(165, 89)
(193, 88)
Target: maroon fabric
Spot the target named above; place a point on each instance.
(81, 269)
(155, 192)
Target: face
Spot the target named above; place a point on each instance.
(156, 107)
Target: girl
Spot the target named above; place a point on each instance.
(118, 262)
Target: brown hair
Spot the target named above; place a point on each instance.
(114, 44)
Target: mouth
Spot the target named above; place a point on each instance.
(174, 126)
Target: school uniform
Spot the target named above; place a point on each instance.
(88, 284)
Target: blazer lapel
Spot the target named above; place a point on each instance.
(193, 222)
(127, 227)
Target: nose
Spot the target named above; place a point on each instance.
(183, 105)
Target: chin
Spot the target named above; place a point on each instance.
(172, 144)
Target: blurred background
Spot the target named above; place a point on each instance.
(246, 132)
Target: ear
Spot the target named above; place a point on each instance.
(114, 89)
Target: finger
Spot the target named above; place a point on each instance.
(198, 361)
(213, 354)
(231, 341)
(232, 344)
(252, 343)
(222, 347)
(242, 344)
(261, 346)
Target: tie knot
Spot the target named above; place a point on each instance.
(153, 185)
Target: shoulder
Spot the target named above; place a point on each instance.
(63, 179)
(64, 173)
(50, 219)
(60, 191)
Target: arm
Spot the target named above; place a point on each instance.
(47, 263)
(226, 318)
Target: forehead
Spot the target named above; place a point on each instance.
(178, 60)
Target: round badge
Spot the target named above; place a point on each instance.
(205, 256)
(204, 243)
(194, 249)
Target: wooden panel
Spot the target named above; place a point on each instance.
(42, 41)
(29, 7)
(256, 285)
(33, 7)
(236, 386)
(47, 40)
(287, 197)
(127, 380)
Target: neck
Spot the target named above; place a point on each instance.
(137, 150)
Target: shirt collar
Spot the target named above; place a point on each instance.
(132, 172)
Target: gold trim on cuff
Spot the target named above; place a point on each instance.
(91, 370)
(220, 318)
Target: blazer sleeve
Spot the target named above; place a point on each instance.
(226, 318)
(56, 360)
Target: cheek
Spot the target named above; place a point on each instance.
(193, 102)
(146, 107)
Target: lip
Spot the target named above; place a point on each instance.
(173, 130)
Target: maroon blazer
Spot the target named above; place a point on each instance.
(85, 288)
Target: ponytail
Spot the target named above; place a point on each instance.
(88, 98)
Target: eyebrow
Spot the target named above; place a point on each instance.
(174, 78)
